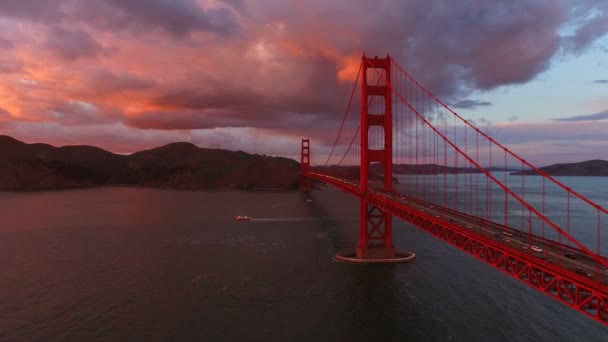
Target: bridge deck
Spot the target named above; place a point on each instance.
(576, 280)
(552, 252)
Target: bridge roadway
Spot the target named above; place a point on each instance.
(552, 252)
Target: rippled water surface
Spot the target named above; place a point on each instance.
(144, 264)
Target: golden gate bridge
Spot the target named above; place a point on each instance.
(405, 153)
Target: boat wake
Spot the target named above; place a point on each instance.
(288, 219)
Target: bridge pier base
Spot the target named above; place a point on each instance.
(375, 252)
(375, 234)
(375, 240)
(398, 257)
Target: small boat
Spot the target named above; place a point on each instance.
(242, 218)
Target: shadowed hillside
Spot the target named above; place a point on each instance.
(177, 165)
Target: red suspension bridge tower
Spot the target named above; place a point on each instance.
(305, 182)
(376, 230)
(376, 226)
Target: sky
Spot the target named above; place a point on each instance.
(258, 75)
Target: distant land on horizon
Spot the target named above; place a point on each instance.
(595, 168)
(179, 165)
(183, 165)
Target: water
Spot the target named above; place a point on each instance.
(145, 264)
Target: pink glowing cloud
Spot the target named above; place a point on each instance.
(158, 70)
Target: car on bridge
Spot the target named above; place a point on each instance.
(536, 249)
(507, 233)
(571, 256)
(584, 272)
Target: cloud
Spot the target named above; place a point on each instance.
(4, 115)
(176, 17)
(72, 44)
(5, 118)
(590, 117)
(601, 81)
(594, 26)
(8, 63)
(281, 67)
(30, 9)
(5, 43)
(468, 45)
(212, 96)
(174, 121)
(470, 104)
(104, 81)
(10, 66)
(237, 5)
(548, 143)
(80, 113)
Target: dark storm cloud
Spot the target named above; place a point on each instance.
(213, 118)
(103, 81)
(211, 96)
(484, 46)
(172, 121)
(177, 17)
(207, 101)
(590, 117)
(30, 9)
(72, 44)
(450, 47)
(471, 104)
(237, 5)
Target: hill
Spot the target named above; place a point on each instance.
(177, 165)
(593, 167)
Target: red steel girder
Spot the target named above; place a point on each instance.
(585, 295)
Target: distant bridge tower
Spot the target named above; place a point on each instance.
(305, 182)
(376, 230)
